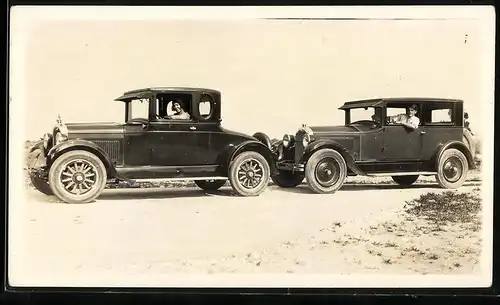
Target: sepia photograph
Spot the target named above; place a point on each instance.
(341, 147)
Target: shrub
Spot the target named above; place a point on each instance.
(448, 206)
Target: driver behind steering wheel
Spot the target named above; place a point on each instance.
(179, 114)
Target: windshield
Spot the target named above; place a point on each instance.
(138, 109)
(365, 115)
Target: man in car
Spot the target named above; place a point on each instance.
(407, 119)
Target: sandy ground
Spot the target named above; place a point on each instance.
(360, 229)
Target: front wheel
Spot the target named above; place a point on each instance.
(210, 185)
(326, 171)
(405, 180)
(77, 177)
(249, 174)
(452, 169)
(288, 179)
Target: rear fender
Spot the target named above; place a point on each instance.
(332, 144)
(79, 144)
(231, 152)
(456, 145)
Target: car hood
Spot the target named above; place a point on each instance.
(333, 130)
(94, 128)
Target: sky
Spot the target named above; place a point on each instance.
(274, 75)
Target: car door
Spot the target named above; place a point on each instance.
(137, 150)
(400, 143)
(178, 143)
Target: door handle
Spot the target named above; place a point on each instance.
(192, 128)
(422, 132)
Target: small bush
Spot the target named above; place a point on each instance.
(448, 206)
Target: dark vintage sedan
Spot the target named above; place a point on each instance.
(398, 137)
(169, 133)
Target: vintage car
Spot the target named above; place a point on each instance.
(169, 133)
(373, 143)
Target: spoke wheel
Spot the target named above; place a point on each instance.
(77, 177)
(249, 173)
(452, 169)
(326, 171)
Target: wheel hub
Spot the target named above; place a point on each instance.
(452, 169)
(326, 172)
(78, 177)
(250, 173)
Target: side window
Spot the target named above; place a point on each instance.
(394, 114)
(206, 107)
(174, 107)
(441, 116)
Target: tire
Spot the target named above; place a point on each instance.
(210, 185)
(77, 168)
(287, 179)
(240, 174)
(452, 169)
(326, 171)
(41, 185)
(405, 180)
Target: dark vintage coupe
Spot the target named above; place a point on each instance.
(373, 142)
(169, 133)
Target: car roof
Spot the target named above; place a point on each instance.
(140, 93)
(409, 100)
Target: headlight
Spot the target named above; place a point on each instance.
(286, 140)
(306, 139)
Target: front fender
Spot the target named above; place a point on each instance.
(332, 144)
(251, 145)
(36, 156)
(75, 144)
(457, 145)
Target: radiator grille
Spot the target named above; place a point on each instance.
(299, 147)
(112, 148)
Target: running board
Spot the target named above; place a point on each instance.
(401, 174)
(178, 179)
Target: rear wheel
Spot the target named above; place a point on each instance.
(249, 173)
(452, 169)
(210, 185)
(77, 177)
(287, 179)
(326, 171)
(405, 180)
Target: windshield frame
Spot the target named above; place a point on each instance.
(129, 106)
(376, 108)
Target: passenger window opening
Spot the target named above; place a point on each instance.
(174, 107)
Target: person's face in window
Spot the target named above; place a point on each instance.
(176, 107)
